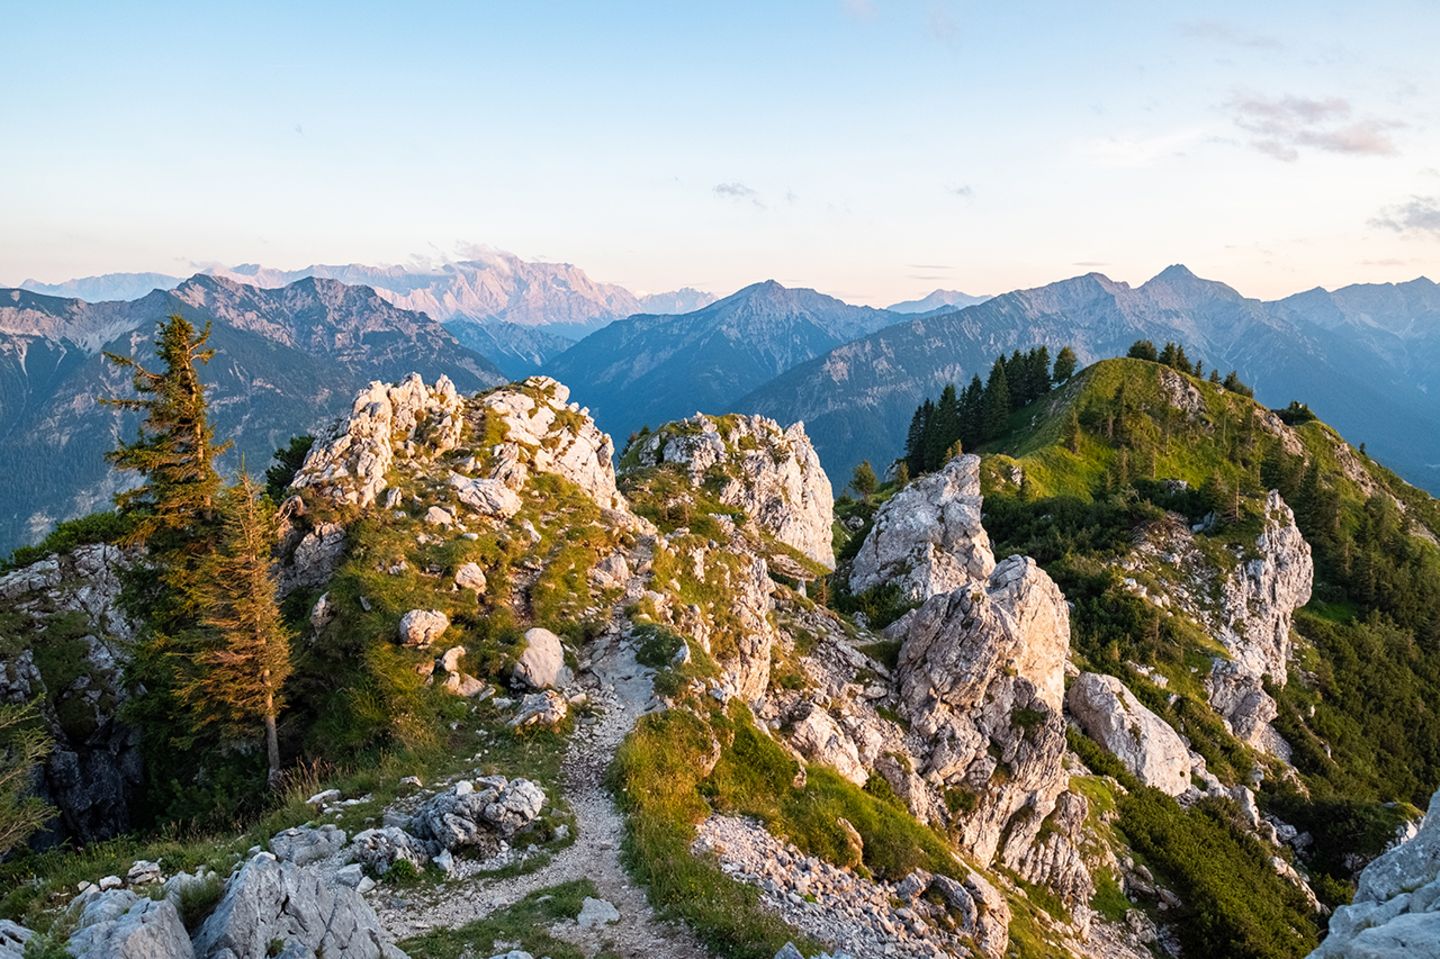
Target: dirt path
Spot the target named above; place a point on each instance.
(621, 689)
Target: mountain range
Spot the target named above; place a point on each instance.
(937, 300)
(493, 286)
(655, 367)
(1367, 357)
(1364, 357)
(284, 357)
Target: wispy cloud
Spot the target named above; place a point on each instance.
(928, 266)
(1217, 31)
(1139, 151)
(860, 9)
(1417, 215)
(965, 191)
(1282, 126)
(735, 190)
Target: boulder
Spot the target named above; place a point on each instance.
(542, 664)
(379, 849)
(422, 627)
(488, 497)
(1111, 715)
(13, 937)
(546, 708)
(121, 925)
(596, 912)
(518, 805)
(471, 577)
(303, 845)
(439, 516)
(820, 739)
(271, 902)
(927, 539)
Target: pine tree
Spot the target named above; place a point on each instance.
(863, 481)
(1072, 431)
(915, 439)
(246, 660)
(972, 413)
(1143, 350)
(944, 428)
(995, 408)
(1167, 355)
(172, 508)
(1065, 364)
(1182, 362)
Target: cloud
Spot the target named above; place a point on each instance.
(1417, 215)
(1133, 151)
(1282, 126)
(1090, 264)
(1217, 31)
(735, 190)
(964, 191)
(928, 266)
(860, 9)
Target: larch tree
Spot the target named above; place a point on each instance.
(24, 744)
(245, 658)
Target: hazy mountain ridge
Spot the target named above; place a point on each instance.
(653, 368)
(937, 300)
(856, 400)
(489, 286)
(283, 357)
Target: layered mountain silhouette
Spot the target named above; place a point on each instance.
(656, 367)
(1364, 356)
(283, 358)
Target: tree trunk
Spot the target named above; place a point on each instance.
(272, 743)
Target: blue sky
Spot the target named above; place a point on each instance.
(874, 150)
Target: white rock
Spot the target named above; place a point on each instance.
(422, 627)
(542, 664)
(471, 576)
(1111, 715)
(927, 539)
(596, 912)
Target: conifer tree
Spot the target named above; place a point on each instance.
(24, 744)
(972, 413)
(995, 408)
(915, 439)
(944, 428)
(1072, 431)
(1143, 350)
(1065, 363)
(174, 452)
(863, 481)
(246, 658)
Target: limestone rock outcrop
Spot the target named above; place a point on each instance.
(1247, 605)
(269, 902)
(1111, 715)
(752, 463)
(545, 432)
(70, 603)
(118, 924)
(927, 539)
(349, 462)
(1396, 910)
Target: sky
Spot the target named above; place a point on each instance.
(871, 149)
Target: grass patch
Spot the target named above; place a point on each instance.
(521, 926)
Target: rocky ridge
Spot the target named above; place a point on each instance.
(1396, 910)
(68, 654)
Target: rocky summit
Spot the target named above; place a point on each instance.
(690, 704)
